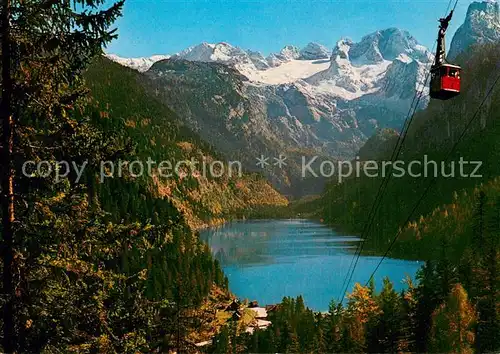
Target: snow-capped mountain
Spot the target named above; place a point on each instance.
(482, 25)
(329, 102)
(350, 71)
(302, 101)
(258, 60)
(139, 64)
(362, 68)
(221, 52)
(286, 54)
(247, 62)
(310, 98)
(387, 45)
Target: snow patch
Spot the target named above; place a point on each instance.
(290, 71)
(139, 64)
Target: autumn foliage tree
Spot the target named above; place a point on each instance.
(453, 324)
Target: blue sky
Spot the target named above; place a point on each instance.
(151, 27)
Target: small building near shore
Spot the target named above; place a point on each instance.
(272, 308)
(234, 306)
(258, 324)
(260, 312)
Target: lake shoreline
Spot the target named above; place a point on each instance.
(267, 259)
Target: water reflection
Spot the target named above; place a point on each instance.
(266, 260)
(262, 242)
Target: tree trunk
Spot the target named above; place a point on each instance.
(7, 177)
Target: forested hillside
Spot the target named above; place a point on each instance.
(153, 131)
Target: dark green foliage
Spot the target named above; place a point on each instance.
(221, 342)
(386, 330)
(98, 267)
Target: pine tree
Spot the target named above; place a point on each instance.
(45, 46)
(409, 323)
(361, 309)
(334, 327)
(488, 328)
(294, 346)
(286, 337)
(391, 319)
(92, 273)
(427, 301)
(320, 345)
(222, 341)
(7, 182)
(269, 344)
(445, 270)
(479, 223)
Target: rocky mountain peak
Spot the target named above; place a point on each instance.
(286, 54)
(341, 49)
(481, 26)
(401, 76)
(384, 64)
(258, 60)
(207, 52)
(387, 44)
(290, 52)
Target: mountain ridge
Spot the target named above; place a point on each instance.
(326, 107)
(329, 107)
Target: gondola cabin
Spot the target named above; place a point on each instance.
(445, 81)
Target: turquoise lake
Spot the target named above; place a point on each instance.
(266, 260)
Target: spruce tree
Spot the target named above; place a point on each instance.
(488, 328)
(45, 46)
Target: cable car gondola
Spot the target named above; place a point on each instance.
(445, 81)
(445, 77)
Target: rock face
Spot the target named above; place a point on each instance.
(482, 25)
(258, 60)
(387, 44)
(220, 52)
(389, 62)
(223, 53)
(401, 76)
(299, 103)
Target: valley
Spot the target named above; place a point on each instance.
(215, 199)
(335, 106)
